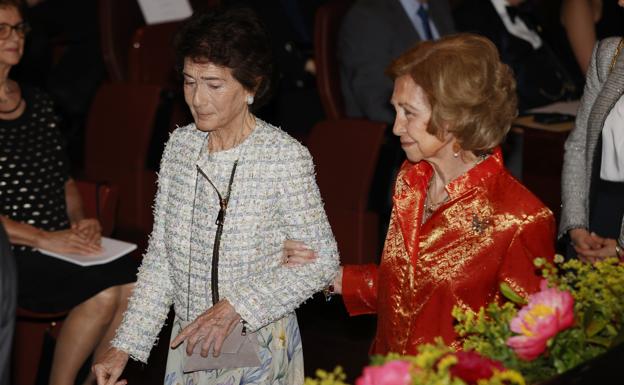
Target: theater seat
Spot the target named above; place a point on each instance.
(326, 27)
(99, 201)
(345, 154)
(119, 134)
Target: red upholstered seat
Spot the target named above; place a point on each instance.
(345, 153)
(326, 27)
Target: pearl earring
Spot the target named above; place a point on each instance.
(455, 154)
(250, 99)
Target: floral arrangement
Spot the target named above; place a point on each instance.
(577, 315)
(434, 364)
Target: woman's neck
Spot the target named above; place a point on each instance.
(449, 167)
(232, 135)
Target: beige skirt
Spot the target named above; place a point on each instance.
(281, 360)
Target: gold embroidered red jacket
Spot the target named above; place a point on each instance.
(488, 232)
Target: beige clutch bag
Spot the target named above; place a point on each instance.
(238, 351)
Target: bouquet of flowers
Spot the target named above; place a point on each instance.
(434, 364)
(577, 315)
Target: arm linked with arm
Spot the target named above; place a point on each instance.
(266, 299)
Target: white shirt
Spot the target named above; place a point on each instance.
(612, 167)
(517, 27)
(411, 8)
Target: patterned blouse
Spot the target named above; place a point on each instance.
(274, 197)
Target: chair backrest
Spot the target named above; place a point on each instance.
(118, 136)
(99, 200)
(118, 21)
(326, 27)
(345, 154)
(151, 59)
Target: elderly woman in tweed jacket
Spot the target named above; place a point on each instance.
(231, 167)
(593, 170)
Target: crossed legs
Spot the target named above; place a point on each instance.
(89, 328)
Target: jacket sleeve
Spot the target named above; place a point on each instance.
(262, 301)
(574, 183)
(152, 296)
(533, 239)
(363, 53)
(359, 289)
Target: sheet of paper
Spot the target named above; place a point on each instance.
(568, 108)
(162, 11)
(111, 250)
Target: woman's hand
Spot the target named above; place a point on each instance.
(108, 369)
(607, 249)
(585, 242)
(297, 253)
(210, 328)
(67, 242)
(90, 229)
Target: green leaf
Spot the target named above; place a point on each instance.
(511, 295)
(595, 326)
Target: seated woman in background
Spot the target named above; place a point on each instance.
(586, 21)
(40, 208)
(461, 224)
(593, 167)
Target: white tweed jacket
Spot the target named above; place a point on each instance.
(604, 86)
(274, 197)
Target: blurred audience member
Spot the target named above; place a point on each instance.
(40, 207)
(585, 21)
(513, 27)
(375, 32)
(593, 168)
(296, 105)
(63, 57)
(8, 299)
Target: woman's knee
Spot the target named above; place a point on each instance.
(104, 303)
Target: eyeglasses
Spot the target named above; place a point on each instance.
(21, 29)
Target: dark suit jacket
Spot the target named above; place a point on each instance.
(541, 78)
(373, 33)
(8, 298)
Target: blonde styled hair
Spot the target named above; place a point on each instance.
(472, 93)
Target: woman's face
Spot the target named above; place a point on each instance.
(216, 99)
(12, 47)
(413, 112)
(621, 3)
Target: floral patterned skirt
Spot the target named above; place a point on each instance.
(281, 359)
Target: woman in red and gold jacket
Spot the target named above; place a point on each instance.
(461, 224)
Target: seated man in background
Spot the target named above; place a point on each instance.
(512, 26)
(375, 32)
(8, 299)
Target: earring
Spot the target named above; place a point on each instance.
(250, 99)
(456, 150)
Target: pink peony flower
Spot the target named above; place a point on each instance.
(549, 311)
(472, 367)
(391, 373)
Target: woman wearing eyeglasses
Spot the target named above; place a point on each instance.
(40, 208)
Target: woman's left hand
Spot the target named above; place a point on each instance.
(210, 328)
(89, 229)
